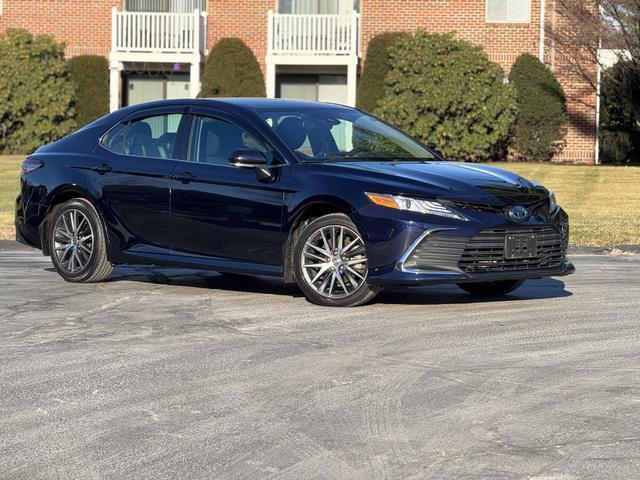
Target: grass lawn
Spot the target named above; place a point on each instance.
(9, 186)
(603, 202)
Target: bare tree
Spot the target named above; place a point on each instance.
(585, 26)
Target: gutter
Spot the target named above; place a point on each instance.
(542, 32)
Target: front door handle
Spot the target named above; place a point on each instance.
(101, 169)
(184, 177)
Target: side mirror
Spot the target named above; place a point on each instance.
(251, 158)
(248, 158)
(433, 147)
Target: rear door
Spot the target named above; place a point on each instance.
(220, 210)
(133, 179)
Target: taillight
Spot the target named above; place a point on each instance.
(31, 164)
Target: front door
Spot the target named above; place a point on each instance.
(220, 210)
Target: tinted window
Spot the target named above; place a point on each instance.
(327, 134)
(153, 136)
(214, 140)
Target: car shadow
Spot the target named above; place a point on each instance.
(204, 279)
(451, 294)
(423, 295)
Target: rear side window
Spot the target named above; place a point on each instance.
(213, 141)
(114, 139)
(153, 137)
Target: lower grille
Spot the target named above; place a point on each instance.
(436, 252)
(484, 252)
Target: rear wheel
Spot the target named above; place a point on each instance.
(491, 289)
(330, 263)
(77, 242)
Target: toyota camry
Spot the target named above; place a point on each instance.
(323, 195)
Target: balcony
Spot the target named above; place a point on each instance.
(156, 36)
(313, 35)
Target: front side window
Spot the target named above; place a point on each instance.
(326, 134)
(214, 140)
(508, 11)
(153, 137)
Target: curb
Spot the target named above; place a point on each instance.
(604, 250)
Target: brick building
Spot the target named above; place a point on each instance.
(309, 49)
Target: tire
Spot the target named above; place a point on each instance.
(78, 253)
(338, 280)
(491, 289)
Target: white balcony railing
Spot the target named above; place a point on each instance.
(158, 32)
(297, 34)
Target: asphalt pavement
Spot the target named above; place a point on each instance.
(161, 373)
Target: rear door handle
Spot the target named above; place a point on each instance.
(101, 169)
(184, 177)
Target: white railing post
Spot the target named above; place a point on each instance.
(354, 33)
(203, 32)
(196, 31)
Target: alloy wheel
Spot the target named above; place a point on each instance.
(73, 241)
(334, 261)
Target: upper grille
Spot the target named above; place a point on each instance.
(536, 208)
(484, 252)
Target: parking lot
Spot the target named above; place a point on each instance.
(164, 373)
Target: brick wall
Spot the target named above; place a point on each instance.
(245, 19)
(85, 27)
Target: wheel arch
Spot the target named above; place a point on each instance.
(302, 216)
(57, 197)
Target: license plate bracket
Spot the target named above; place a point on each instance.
(520, 245)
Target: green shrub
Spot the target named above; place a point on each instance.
(620, 113)
(446, 92)
(36, 97)
(542, 113)
(376, 66)
(90, 73)
(232, 71)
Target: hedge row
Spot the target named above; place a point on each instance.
(439, 89)
(447, 92)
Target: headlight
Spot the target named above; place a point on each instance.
(429, 207)
(553, 203)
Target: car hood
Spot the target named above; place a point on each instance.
(445, 180)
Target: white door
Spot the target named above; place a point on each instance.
(177, 87)
(332, 88)
(140, 90)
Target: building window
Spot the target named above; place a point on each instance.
(508, 11)
(318, 7)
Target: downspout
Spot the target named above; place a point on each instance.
(598, 78)
(542, 32)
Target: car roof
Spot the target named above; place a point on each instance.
(253, 104)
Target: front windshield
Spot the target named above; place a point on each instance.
(328, 134)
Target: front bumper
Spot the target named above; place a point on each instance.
(403, 249)
(399, 277)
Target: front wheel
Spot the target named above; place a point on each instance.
(491, 289)
(330, 263)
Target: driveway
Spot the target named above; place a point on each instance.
(171, 374)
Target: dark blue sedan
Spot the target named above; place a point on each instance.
(324, 195)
